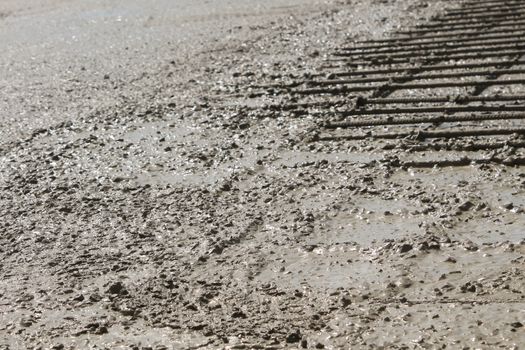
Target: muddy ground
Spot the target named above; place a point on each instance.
(146, 204)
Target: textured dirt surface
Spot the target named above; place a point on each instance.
(146, 204)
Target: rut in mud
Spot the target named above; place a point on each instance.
(459, 76)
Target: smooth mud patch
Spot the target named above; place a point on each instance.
(382, 272)
(503, 227)
(321, 269)
(366, 221)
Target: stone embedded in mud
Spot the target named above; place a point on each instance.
(238, 314)
(126, 310)
(118, 179)
(465, 206)
(507, 206)
(244, 126)
(345, 301)
(405, 248)
(96, 328)
(470, 246)
(26, 322)
(294, 337)
(79, 297)
(217, 249)
(468, 287)
(225, 187)
(404, 282)
(95, 297)
(117, 288)
(433, 245)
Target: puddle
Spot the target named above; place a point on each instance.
(492, 230)
(322, 269)
(374, 229)
(345, 266)
(498, 195)
(369, 221)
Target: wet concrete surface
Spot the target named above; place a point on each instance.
(144, 207)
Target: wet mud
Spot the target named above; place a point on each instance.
(182, 211)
